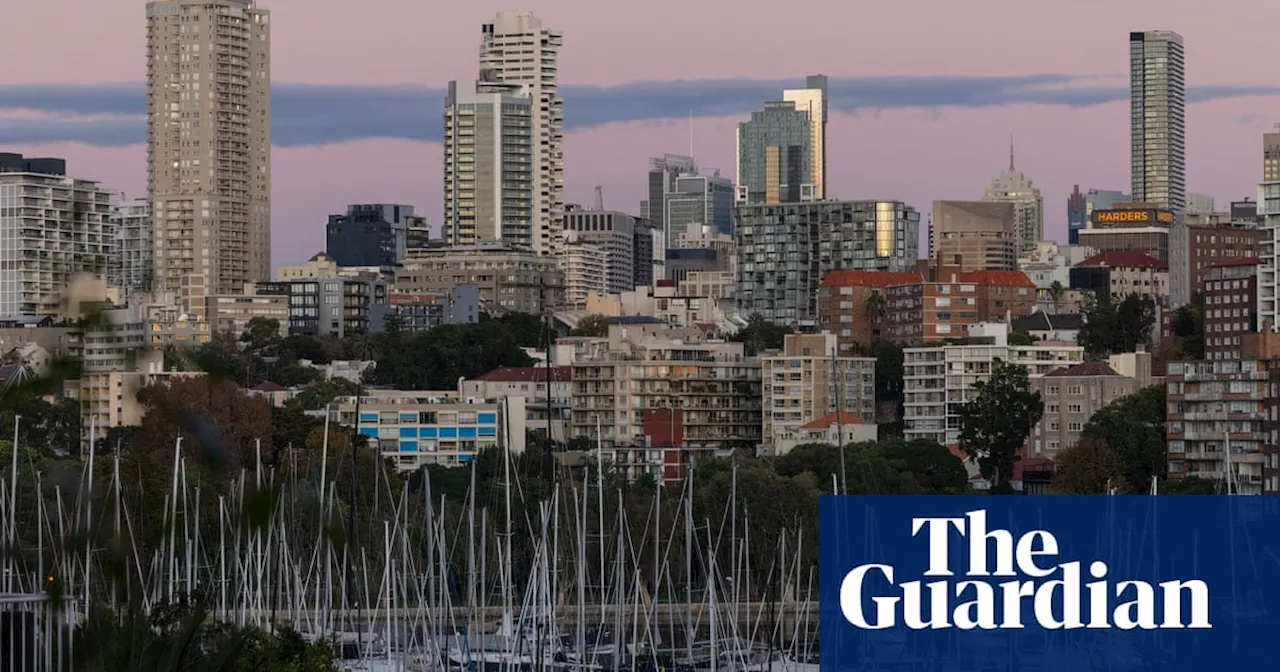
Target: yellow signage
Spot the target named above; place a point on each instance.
(1132, 216)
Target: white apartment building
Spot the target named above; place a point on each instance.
(710, 389)
(489, 189)
(585, 267)
(806, 382)
(938, 380)
(1269, 255)
(52, 228)
(209, 141)
(615, 233)
(131, 264)
(516, 48)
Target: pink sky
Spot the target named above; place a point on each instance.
(917, 156)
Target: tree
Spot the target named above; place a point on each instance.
(760, 334)
(260, 333)
(889, 369)
(217, 421)
(592, 325)
(1019, 337)
(935, 468)
(1113, 327)
(1056, 293)
(995, 423)
(1090, 467)
(1134, 427)
(876, 307)
(1188, 485)
(1187, 324)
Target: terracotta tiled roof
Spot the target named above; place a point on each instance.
(829, 421)
(268, 386)
(845, 278)
(997, 278)
(1124, 259)
(1085, 369)
(527, 374)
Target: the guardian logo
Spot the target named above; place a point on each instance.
(1030, 563)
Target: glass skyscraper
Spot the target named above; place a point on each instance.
(775, 163)
(1157, 101)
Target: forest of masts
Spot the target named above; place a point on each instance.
(337, 543)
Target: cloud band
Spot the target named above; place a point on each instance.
(113, 115)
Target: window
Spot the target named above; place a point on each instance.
(1075, 390)
(1074, 426)
(1074, 408)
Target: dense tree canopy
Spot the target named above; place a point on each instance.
(760, 334)
(1090, 467)
(592, 325)
(1134, 427)
(995, 423)
(1115, 326)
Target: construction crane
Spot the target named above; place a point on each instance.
(599, 197)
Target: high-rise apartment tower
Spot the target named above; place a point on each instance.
(1157, 103)
(209, 141)
(490, 189)
(517, 49)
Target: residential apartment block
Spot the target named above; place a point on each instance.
(621, 380)
(132, 260)
(938, 380)
(531, 383)
(807, 381)
(55, 227)
(516, 48)
(852, 304)
(1218, 424)
(1071, 396)
(786, 250)
(209, 141)
(936, 311)
(417, 428)
(489, 165)
(1230, 292)
(1122, 274)
(615, 234)
(508, 279)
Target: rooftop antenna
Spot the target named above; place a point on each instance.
(1011, 152)
(599, 197)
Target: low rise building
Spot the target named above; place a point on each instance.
(808, 381)
(531, 383)
(507, 279)
(417, 428)
(1071, 395)
(1123, 274)
(231, 313)
(836, 429)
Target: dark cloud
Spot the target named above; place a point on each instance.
(314, 114)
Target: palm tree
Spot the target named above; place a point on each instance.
(1056, 291)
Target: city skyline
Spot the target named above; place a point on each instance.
(945, 147)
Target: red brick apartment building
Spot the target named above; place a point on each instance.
(1230, 291)
(913, 310)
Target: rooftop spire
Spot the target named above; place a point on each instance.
(1011, 152)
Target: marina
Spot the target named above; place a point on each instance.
(395, 576)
